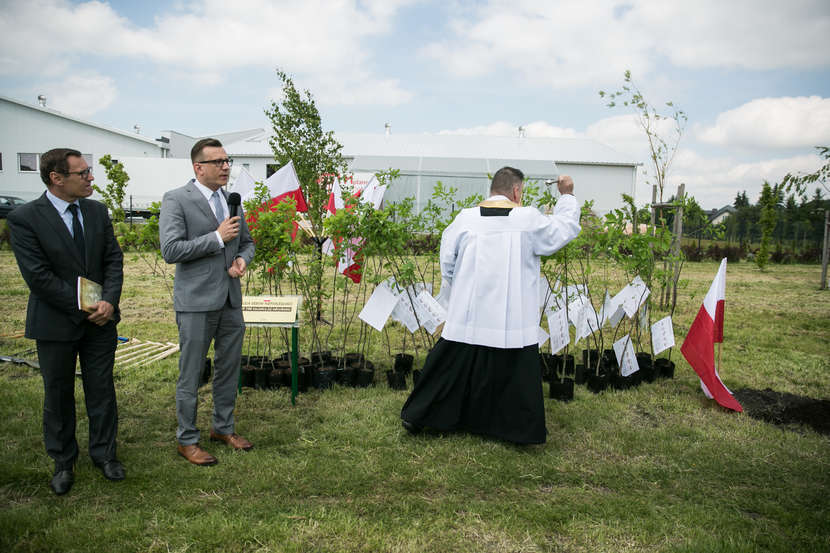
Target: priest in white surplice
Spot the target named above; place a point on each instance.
(484, 375)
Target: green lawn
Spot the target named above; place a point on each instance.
(658, 468)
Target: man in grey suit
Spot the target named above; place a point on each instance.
(211, 251)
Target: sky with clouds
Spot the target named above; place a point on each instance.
(753, 77)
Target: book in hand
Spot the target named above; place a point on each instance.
(89, 293)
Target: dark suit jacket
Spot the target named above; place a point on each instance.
(50, 265)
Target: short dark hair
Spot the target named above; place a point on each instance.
(56, 160)
(504, 179)
(200, 145)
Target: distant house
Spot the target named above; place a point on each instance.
(717, 216)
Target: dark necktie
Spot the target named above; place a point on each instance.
(78, 231)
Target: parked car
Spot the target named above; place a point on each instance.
(7, 203)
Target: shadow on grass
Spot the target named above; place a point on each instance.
(785, 409)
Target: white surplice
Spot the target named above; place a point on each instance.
(491, 264)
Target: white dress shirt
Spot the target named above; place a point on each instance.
(207, 193)
(492, 267)
(63, 210)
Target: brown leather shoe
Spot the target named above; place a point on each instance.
(234, 440)
(196, 455)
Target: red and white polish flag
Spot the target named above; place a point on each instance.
(364, 188)
(284, 184)
(706, 331)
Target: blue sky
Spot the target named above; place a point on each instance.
(752, 76)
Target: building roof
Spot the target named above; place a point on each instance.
(57, 113)
(446, 146)
(715, 213)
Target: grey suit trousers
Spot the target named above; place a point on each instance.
(196, 329)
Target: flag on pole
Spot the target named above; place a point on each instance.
(284, 184)
(364, 189)
(706, 331)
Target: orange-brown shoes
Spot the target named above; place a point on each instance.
(197, 455)
(234, 440)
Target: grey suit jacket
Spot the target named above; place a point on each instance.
(187, 234)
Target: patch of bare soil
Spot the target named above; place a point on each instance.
(785, 409)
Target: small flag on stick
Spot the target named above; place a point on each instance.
(706, 330)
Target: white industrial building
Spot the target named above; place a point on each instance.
(28, 130)
(463, 162)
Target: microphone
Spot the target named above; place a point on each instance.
(233, 203)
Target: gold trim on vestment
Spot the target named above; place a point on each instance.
(498, 203)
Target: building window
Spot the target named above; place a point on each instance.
(1, 161)
(28, 163)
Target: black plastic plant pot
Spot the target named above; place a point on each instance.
(549, 365)
(346, 376)
(248, 376)
(625, 382)
(416, 375)
(643, 359)
(318, 358)
(353, 359)
(590, 358)
(569, 363)
(579, 375)
(276, 378)
(403, 363)
(396, 380)
(609, 359)
(304, 377)
(365, 378)
(664, 368)
(647, 371)
(566, 361)
(205, 378)
(597, 382)
(562, 390)
(325, 378)
(261, 378)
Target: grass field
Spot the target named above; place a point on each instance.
(657, 468)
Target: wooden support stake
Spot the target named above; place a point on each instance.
(166, 353)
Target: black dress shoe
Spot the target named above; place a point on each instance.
(113, 469)
(411, 427)
(62, 481)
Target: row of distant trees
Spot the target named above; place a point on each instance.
(797, 222)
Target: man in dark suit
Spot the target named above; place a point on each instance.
(211, 250)
(57, 238)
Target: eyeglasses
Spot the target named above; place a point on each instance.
(83, 174)
(217, 162)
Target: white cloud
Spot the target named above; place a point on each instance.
(81, 95)
(800, 122)
(589, 43)
(714, 182)
(328, 39)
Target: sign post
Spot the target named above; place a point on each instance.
(276, 311)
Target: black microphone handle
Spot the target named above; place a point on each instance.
(233, 204)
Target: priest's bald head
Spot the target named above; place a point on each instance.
(508, 182)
